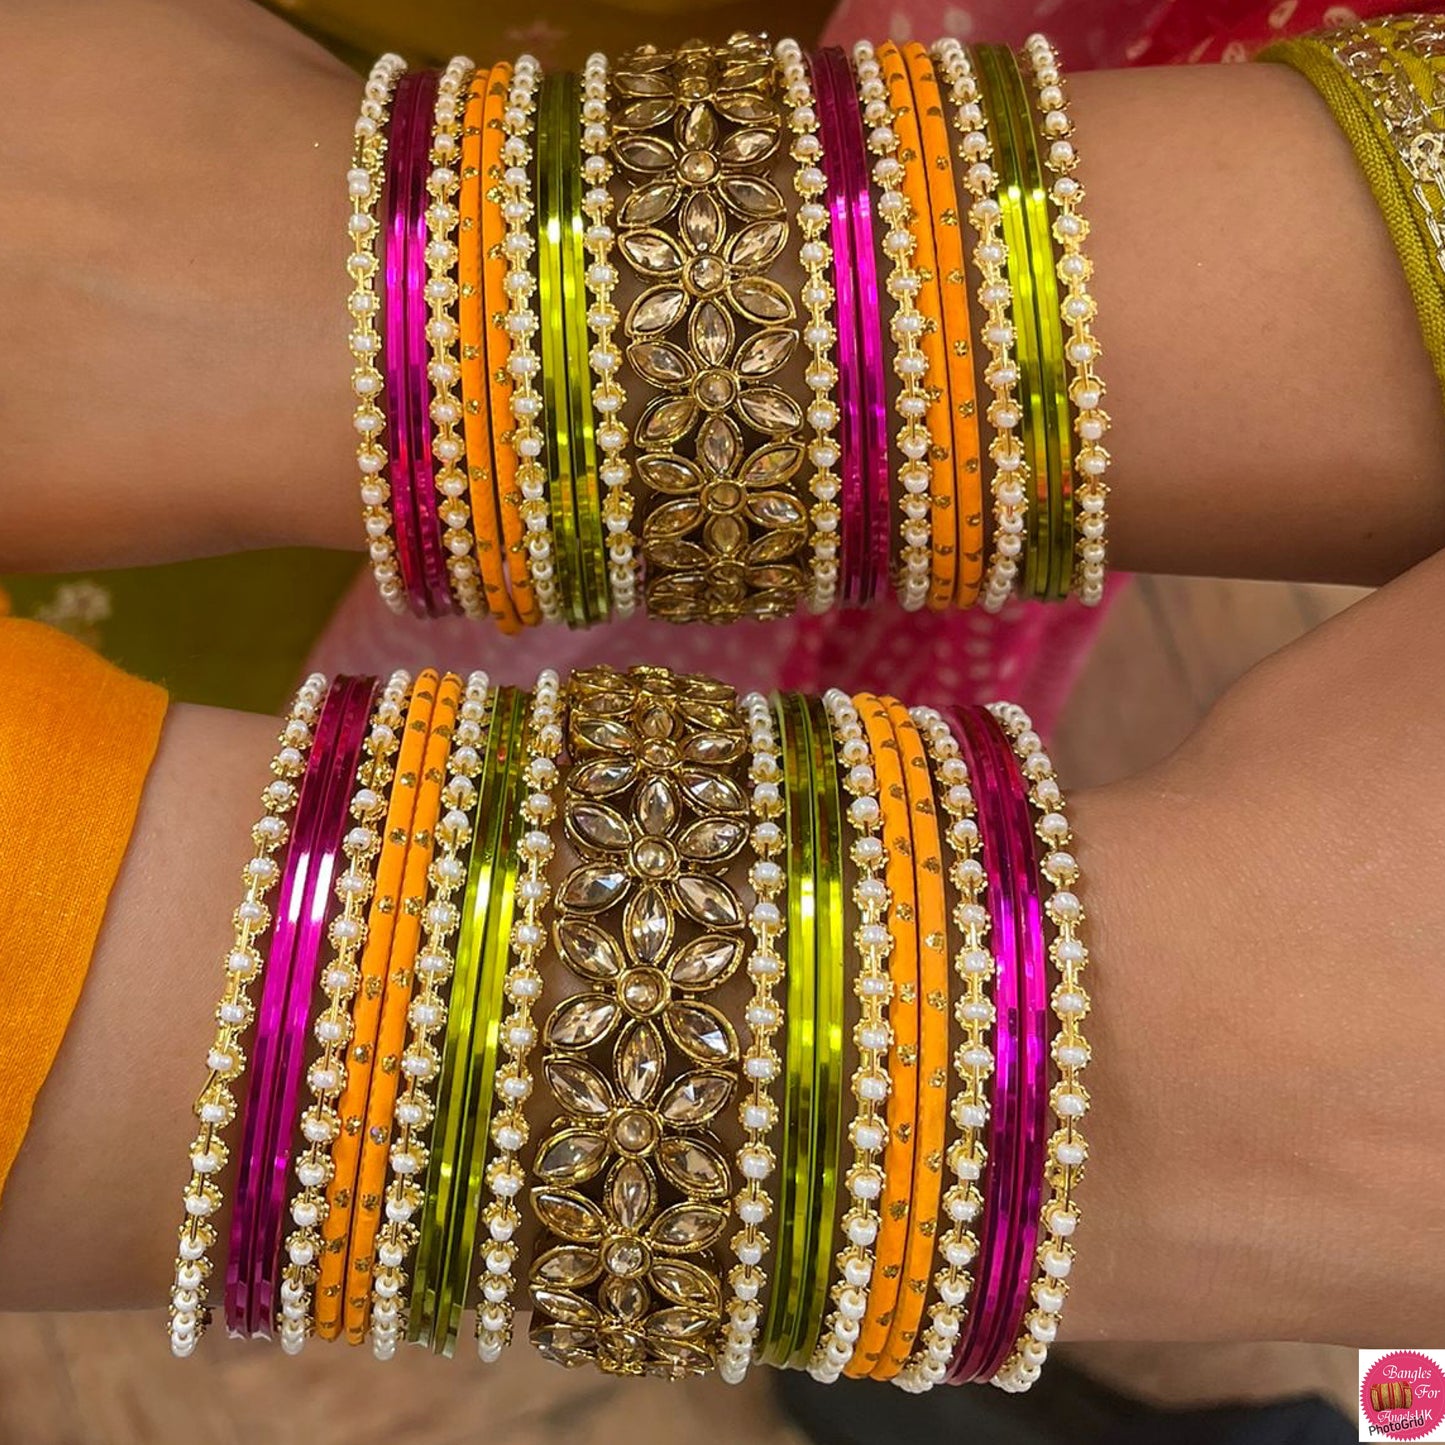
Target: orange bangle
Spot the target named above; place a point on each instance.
(495, 310)
(396, 1000)
(366, 1009)
(957, 321)
(933, 1060)
(476, 397)
(902, 1057)
(929, 302)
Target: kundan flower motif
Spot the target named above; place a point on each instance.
(639, 1062)
(710, 332)
(638, 1252)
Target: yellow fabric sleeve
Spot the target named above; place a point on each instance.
(1378, 158)
(77, 737)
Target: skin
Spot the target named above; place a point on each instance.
(1267, 1009)
(194, 331)
(1264, 904)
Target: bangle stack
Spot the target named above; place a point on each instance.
(737, 1126)
(631, 338)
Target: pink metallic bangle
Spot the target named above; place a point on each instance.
(303, 907)
(290, 897)
(839, 141)
(1013, 1179)
(321, 905)
(1002, 1133)
(405, 353)
(401, 158)
(877, 480)
(1034, 1058)
(418, 352)
(847, 165)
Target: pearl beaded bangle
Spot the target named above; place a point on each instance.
(448, 447)
(1081, 349)
(326, 1077)
(522, 324)
(906, 327)
(872, 1036)
(523, 987)
(931, 1132)
(810, 182)
(215, 1106)
(759, 1111)
(1069, 1100)
(427, 1014)
(608, 397)
(899, 1063)
(363, 184)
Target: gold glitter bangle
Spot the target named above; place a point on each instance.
(522, 985)
(1068, 1098)
(605, 359)
(1081, 348)
(759, 1111)
(914, 441)
(363, 184)
(215, 1106)
(718, 442)
(654, 806)
(973, 1061)
(1011, 478)
(816, 256)
(448, 447)
(419, 1063)
(930, 1143)
(326, 1077)
(872, 1037)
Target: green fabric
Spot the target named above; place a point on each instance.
(1357, 118)
(226, 631)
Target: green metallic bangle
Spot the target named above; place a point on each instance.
(461, 1013)
(992, 63)
(828, 1027)
(795, 1172)
(587, 486)
(1053, 400)
(1043, 261)
(489, 915)
(552, 165)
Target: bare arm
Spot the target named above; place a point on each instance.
(171, 320)
(1269, 1012)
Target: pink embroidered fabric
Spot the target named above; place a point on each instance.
(1030, 652)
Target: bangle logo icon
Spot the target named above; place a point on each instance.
(1402, 1395)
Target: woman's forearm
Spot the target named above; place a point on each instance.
(1267, 1010)
(172, 318)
